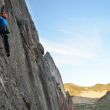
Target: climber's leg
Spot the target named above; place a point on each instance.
(6, 44)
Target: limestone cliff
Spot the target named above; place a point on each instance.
(29, 80)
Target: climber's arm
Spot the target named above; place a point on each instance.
(7, 28)
(1, 18)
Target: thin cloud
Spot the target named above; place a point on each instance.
(79, 48)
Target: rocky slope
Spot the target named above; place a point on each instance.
(101, 104)
(29, 80)
(83, 100)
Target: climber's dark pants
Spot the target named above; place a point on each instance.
(6, 44)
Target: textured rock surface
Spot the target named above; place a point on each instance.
(28, 80)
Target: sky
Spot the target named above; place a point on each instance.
(77, 35)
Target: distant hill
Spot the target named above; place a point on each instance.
(96, 91)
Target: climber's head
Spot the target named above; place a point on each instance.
(4, 14)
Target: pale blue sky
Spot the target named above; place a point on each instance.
(77, 34)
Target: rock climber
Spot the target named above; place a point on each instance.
(4, 31)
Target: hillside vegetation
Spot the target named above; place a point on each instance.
(95, 91)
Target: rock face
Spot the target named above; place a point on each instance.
(29, 80)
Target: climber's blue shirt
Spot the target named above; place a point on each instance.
(3, 24)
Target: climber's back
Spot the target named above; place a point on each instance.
(3, 22)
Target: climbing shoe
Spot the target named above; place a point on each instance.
(8, 54)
